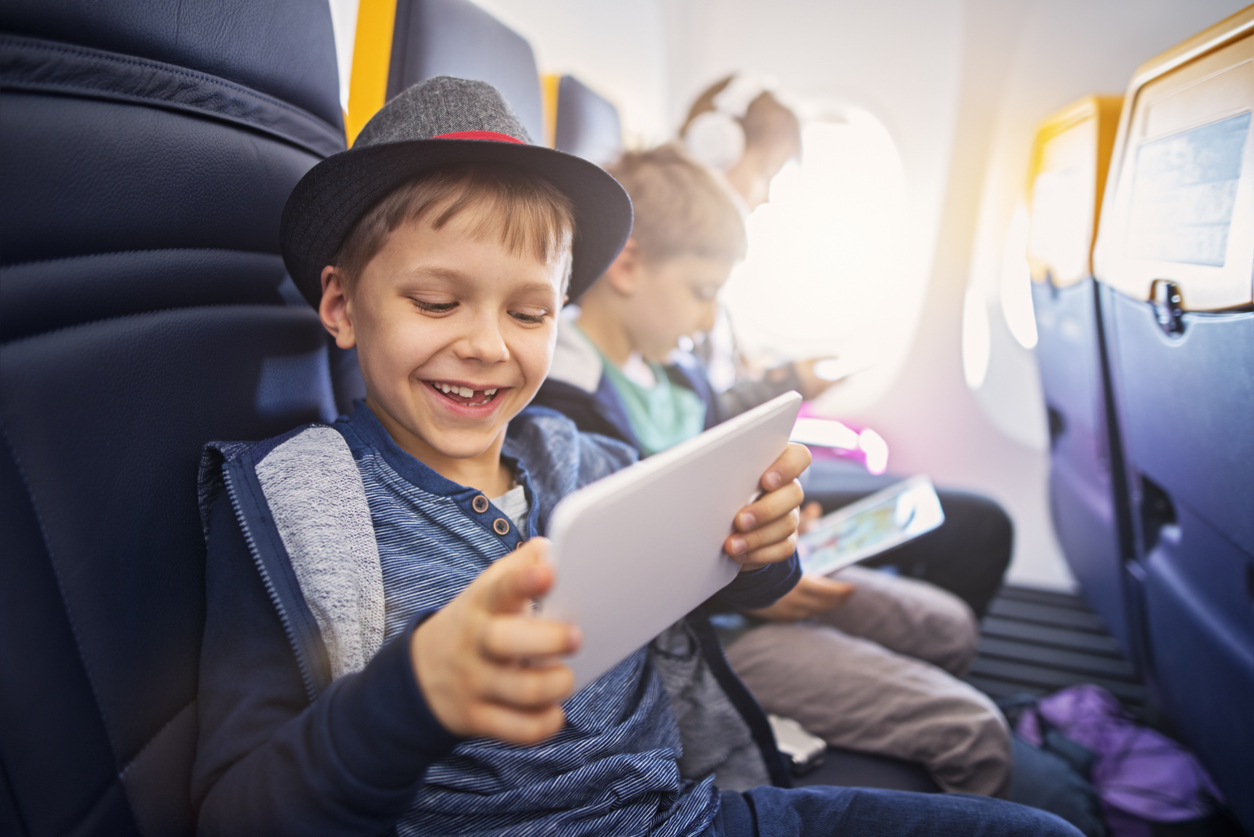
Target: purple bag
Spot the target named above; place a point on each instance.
(1140, 775)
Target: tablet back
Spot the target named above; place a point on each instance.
(639, 549)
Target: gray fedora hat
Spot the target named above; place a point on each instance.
(438, 122)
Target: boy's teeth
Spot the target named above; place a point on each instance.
(464, 392)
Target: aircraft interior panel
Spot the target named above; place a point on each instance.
(586, 123)
(457, 38)
(1084, 503)
(1175, 259)
(1087, 496)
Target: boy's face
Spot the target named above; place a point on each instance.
(454, 335)
(672, 299)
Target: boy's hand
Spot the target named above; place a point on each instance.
(484, 664)
(812, 595)
(766, 529)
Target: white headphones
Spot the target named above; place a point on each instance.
(716, 137)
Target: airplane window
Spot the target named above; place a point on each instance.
(1016, 281)
(999, 335)
(1059, 234)
(824, 274)
(976, 339)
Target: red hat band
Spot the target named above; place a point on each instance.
(480, 135)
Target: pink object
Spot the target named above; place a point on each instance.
(843, 440)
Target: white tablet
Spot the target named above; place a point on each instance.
(870, 526)
(638, 550)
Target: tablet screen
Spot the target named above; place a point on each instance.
(870, 526)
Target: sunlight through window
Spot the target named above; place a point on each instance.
(1016, 281)
(824, 270)
(976, 339)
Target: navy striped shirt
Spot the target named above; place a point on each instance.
(613, 768)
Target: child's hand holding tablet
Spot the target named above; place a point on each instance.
(641, 548)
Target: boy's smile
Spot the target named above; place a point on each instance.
(454, 335)
(467, 396)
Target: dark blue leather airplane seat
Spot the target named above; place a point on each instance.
(587, 123)
(1175, 259)
(1187, 407)
(1088, 497)
(147, 151)
(457, 38)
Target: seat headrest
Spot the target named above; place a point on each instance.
(457, 38)
(277, 48)
(587, 124)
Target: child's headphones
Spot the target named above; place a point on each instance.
(716, 138)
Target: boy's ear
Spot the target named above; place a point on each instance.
(623, 274)
(334, 310)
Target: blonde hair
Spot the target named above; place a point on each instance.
(681, 208)
(527, 213)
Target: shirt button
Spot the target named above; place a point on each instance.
(500, 526)
(519, 545)
(479, 504)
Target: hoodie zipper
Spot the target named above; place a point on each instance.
(305, 674)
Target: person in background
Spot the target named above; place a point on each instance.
(747, 135)
(868, 661)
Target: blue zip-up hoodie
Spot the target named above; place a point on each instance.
(311, 724)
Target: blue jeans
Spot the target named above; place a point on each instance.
(821, 811)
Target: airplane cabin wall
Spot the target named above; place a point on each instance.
(899, 60)
(962, 87)
(1023, 61)
(616, 48)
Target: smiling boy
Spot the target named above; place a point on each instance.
(369, 658)
(453, 337)
(370, 661)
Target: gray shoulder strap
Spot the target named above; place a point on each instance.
(315, 493)
(715, 738)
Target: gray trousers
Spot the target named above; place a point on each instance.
(879, 675)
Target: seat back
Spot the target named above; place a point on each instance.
(147, 151)
(457, 38)
(1087, 491)
(1175, 259)
(587, 124)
